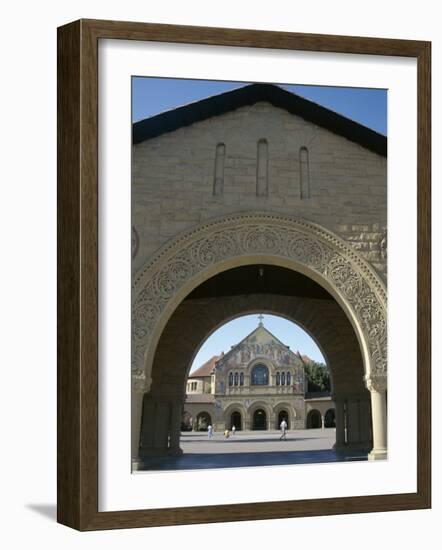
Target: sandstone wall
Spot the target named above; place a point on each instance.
(173, 180)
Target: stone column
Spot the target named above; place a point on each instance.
(138, 390)
(365, 421)
(322, 421)
(161, 423)
(154, 434)
(246, 422)
(353, 424)
(176, 405)
(379, 420)
(340, 423)
(377, 386)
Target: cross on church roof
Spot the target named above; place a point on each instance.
(260, 317)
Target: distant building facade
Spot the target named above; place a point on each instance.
(254, 386)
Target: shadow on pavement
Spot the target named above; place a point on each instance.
(196, 461)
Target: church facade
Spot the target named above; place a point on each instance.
(254, 386)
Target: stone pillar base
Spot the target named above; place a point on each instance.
(151, 453)
(360, 446)
(349, 447)
(378, 454)
(177, 451)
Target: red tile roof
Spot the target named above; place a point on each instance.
(206, 369)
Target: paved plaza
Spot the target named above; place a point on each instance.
(257, 448)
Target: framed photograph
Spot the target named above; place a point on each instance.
(235, 210)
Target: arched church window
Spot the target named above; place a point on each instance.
(283, 379)
(218, 182)
(241, 379)
(236, 378)
(231, 379)
(289, 379)
(260, 375)
(304, 173)
(278, 379)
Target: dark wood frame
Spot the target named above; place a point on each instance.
(77, 460)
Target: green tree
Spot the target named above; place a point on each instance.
(317, 376)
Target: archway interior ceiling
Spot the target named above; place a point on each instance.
(260, 279)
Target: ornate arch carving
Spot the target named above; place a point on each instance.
(197, 254)
(256, 404)
(282, 405)
(235, 407)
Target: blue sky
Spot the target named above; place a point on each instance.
(151, 96)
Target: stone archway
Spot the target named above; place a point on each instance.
(236, 420)
(211, 248)
(283, 415)
(259, 420)
(284, 410)
(259, 416)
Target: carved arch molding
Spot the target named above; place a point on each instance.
(307, 246)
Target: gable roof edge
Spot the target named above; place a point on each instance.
(219, 104)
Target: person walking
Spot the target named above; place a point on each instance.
(233, 429)
(210, 431)
(283, 427)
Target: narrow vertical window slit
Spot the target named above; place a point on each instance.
(262, 183)
(304, 168)
(218, 181)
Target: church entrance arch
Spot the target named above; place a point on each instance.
(260, 420)
(186, 262)
(236, 420)
(283, 415)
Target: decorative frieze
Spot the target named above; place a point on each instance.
(304, 245)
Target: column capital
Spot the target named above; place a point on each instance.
(140, 384)
(376, 383)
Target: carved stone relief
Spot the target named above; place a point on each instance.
(306, 244)
(383, 244)
(135, 242)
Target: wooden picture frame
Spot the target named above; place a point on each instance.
(77, 461)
